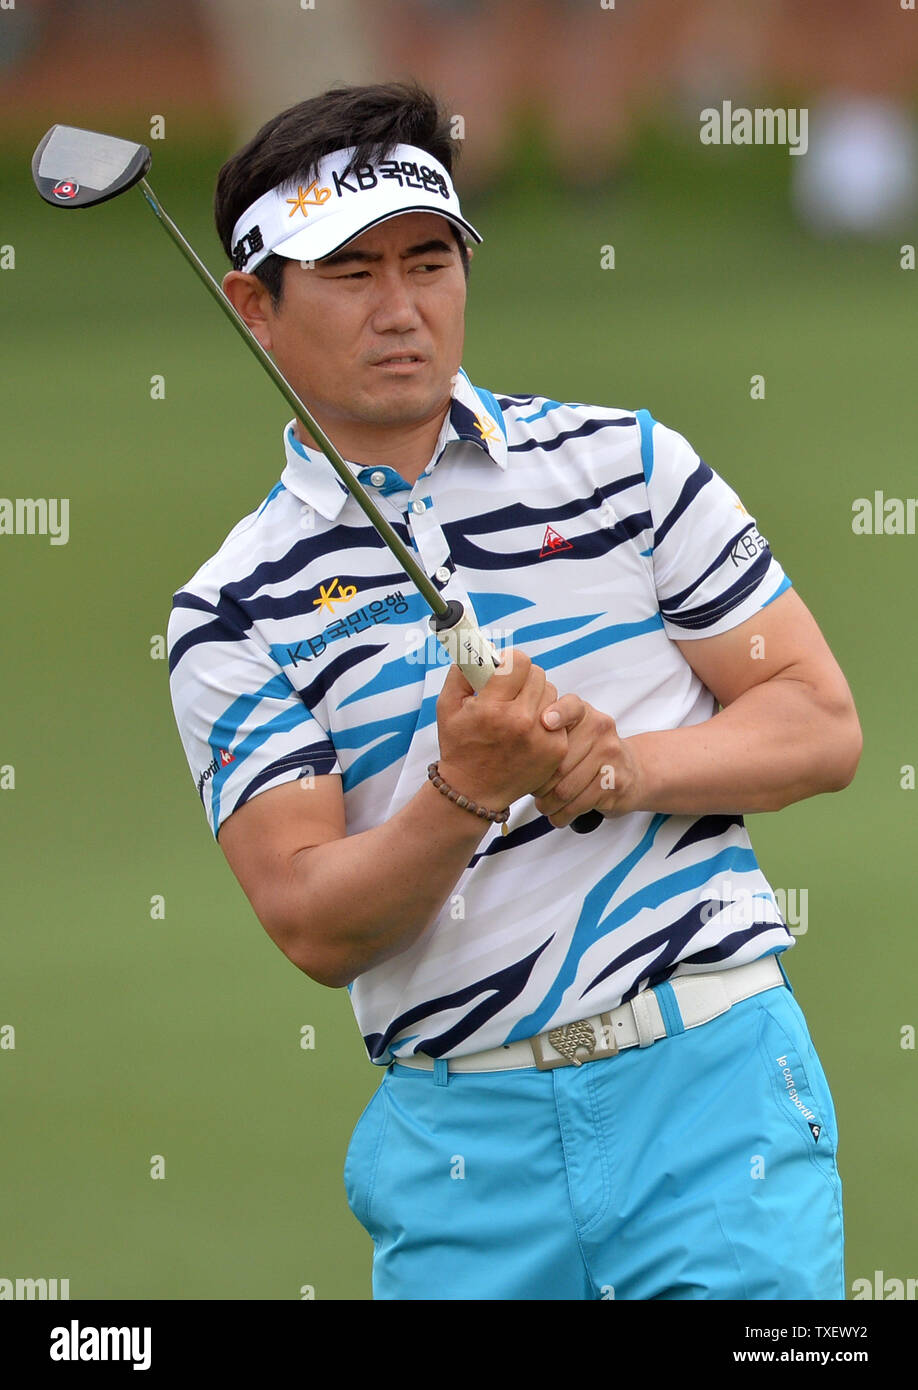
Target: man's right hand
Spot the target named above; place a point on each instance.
(494, 748)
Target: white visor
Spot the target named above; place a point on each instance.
(307, 222)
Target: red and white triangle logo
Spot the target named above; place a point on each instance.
(552, 542)
(226, 757)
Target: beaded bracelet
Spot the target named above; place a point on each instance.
(499, 817)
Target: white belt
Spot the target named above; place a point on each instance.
(638, 1023)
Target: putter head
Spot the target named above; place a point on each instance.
(75, 168)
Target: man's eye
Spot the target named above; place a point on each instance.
(361, 274)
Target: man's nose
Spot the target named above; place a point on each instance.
(395, 309)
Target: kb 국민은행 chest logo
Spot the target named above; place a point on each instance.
(330, 594)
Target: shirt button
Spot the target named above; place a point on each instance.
(377, 478)
(442, 574)
(418, 507)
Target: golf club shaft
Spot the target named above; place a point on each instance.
(428, 591)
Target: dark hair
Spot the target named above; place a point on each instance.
(288, 148)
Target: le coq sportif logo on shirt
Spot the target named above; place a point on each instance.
(223, 759)
(553, 542)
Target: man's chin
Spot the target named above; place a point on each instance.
(404, 403)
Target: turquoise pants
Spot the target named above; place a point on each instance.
(702, 1166)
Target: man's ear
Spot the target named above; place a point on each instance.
(252, 302)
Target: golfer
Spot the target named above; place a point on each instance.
(596, 1081)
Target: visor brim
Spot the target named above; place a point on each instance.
(314, 244)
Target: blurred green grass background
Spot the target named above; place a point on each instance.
(180, 1037)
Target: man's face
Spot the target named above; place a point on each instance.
(372, 335)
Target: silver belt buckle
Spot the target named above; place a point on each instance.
(572, 1039)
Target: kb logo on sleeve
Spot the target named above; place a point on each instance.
(749, 545)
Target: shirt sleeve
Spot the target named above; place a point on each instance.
(243, 726)
(712, 567)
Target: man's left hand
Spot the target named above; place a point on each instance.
(599, 771)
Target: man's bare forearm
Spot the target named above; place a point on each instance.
(352, 903)
(774, 745)
(347, 903)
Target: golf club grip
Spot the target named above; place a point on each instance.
(477, 659)
(466, 645)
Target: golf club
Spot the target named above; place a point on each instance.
(74, 168)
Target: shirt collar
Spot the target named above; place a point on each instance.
(474, 417)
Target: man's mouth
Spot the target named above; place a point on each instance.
(401, 359)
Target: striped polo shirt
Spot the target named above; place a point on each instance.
(586, 536)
